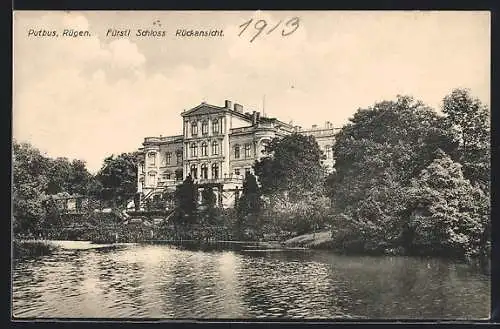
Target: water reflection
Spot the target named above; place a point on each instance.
(166, 282)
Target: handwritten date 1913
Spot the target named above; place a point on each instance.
(290, 26)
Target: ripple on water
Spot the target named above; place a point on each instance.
(158, 281)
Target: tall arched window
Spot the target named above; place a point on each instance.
(328, 151)
(204, 127)
(215, 171)
(236, 151)
(204, 148)
(152, 179)
(152, 158)
(204, 171)
(194, 172)
(247, 150)
(263, 145)
(215, 126)
(179, 157)
(215, 148)
(194, 128)
(194, 150)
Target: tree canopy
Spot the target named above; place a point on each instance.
(292, 165)
(390, 160)
(118, 177)
(470, 120)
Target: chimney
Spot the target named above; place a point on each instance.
(238, 108)
(258, 116)
(254, 117)
(327, 124)
(228, 104)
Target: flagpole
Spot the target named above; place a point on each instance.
(264, 105)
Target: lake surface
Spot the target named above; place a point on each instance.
(159, 281)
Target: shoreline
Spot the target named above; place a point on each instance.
(320, 241)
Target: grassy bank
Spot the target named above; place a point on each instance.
(32, 248)
(319, 240)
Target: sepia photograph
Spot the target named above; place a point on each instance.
(245, 165)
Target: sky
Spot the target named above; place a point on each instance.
(89, 97)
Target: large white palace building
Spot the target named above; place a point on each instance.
(218, 147)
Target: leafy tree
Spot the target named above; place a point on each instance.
(292, 166)
(118, 177)
(249, 207)
(81, 180)
(28, 188)
(69, 176)
(186, 196)
(59, 174)
(394, 140)
(377, 154)
(469, 117)
(208, 215)
(52, 216)
(448, 213)
(470, 120)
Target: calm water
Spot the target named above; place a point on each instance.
(157, 281)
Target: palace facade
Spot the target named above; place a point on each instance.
(218, 147)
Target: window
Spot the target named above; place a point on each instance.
(236, 151)
(237, 172)
(215, 171)
(247, 171)
(168, 158)
(152, 159)
(152, 178)
(142, 167)
(328, 152)
(194, 150)
(204, 171)
(264, 145)
(167, 176)
(179, 157)
(194, 172)
(194, 128)
(204, 127)
(204, 149)
(247, 150)
(215, 148)
(215, 126)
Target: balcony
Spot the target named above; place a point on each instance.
(242, 130)
(320, 132)
(163, 139)
(231, 179)
(168, 182)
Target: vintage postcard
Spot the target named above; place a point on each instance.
(251, 165)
